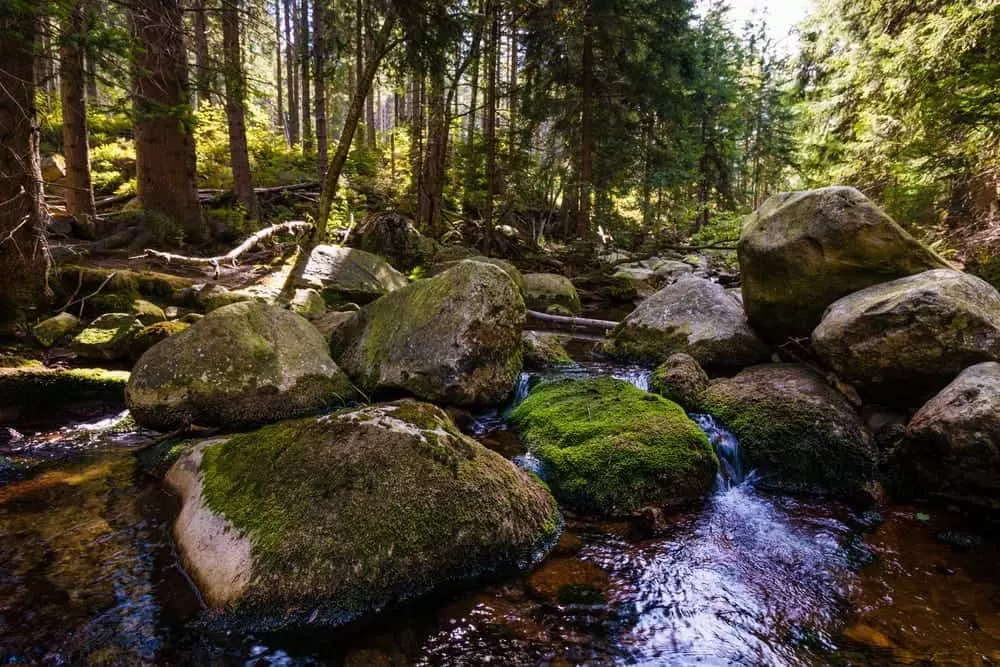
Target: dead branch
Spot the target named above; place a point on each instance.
(83, 300)
(573, 322)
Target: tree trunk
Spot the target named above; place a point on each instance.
(586, 131)
(471, 155)
(24, 255)
(319, 71)
(359, 54)
(293, 87)
(431, 192)
(164, 142)
(91, 10)
(493, 55)
(236, 92)
(278, 71)
(202, 71)
(79, 194)
(307, 132)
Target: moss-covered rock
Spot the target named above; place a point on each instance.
(610, 448)
(394, 237)
(694, 316)
(504, 265)
(160, 287)
(346, 274)
(901, 341)
(454, 338)
(107, 337)
(205, 297)
(543, 349)
(320, 520)
(308, 303)
(680, 379)
(147, 312)
(243, 364)
(952, 444)
(798, 432)
(153, 334)
(801, 251)
(35, 391)
(52, 330)
(542, 290)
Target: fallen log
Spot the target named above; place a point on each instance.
(573, 322)
(229, 259)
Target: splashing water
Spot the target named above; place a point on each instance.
(727, 448)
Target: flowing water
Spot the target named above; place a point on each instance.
(88, 574)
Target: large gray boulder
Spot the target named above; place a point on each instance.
(454, 338)
(694, 316)
(394, 237)
(367, 507)
(342, 274)
(801, 251)
(952, 444)
(905, 339)
(798, 432)
(545, 290)
(243, 364)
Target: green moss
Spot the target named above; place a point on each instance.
(38, 388)
(50, 331)
(15, 361)
(86, 279)
(353, 510)
(153, 334)
(611, 448)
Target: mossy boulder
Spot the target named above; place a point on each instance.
(795, 430)
(107, 337)
(147, 312)
(454, 338)
(159, 287)
(320, 520)
(902, 341)
(504, 265)
(153, 334)
(394, 237)
(542, 290)
(243, 364)
(35, 391)
(610, 448)
(952, 445)
(694, 316)
(349, 275)
(308, 303)
(206, 297)
(801, 251)
(680, 379)
(542, 350)
(50, 331)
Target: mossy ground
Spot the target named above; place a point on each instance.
(41, 387)
(360, 508)
(611, 448)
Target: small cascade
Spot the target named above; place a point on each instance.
(727, 448)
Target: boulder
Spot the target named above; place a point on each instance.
(694, 316)
(801, 251)
(207, 297)
(243, 364)
(153, 334)
(542, 290)
(680, 379)
(52, 330)
(368, 507)
(394, 237)
(630, 282)
(349, 275)
(107, 337)
(952, 444)
(504, 265)
(53, 168)
(147, 312)
(454, 338)
(901, 341)
(610, 448)
(331, 323)
(795, 430)
(308, 303)
(648, 275)
(35, 391)
(543, 349)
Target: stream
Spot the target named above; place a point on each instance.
(88, 573)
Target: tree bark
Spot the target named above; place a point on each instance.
(292, 81)
(372, 134)
(307, 132)
(586, 131)
(471, 155)
(236, 92)
(319, 71)
(202, 71)
(359, 55)
(24, 255)
(278, 71)
(91, 9)
(78, 192)
(493, 56)
(164, 141)
(431, 199)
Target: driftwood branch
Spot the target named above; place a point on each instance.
(573, 322)
(291, 227)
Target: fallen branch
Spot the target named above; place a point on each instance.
(291, 227)
(722, 245)
(574, 322)
(83, 300)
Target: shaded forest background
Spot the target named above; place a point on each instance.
(645, 122)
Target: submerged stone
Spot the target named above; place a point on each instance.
(243, 364)
(610, 448)
(365, 508)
